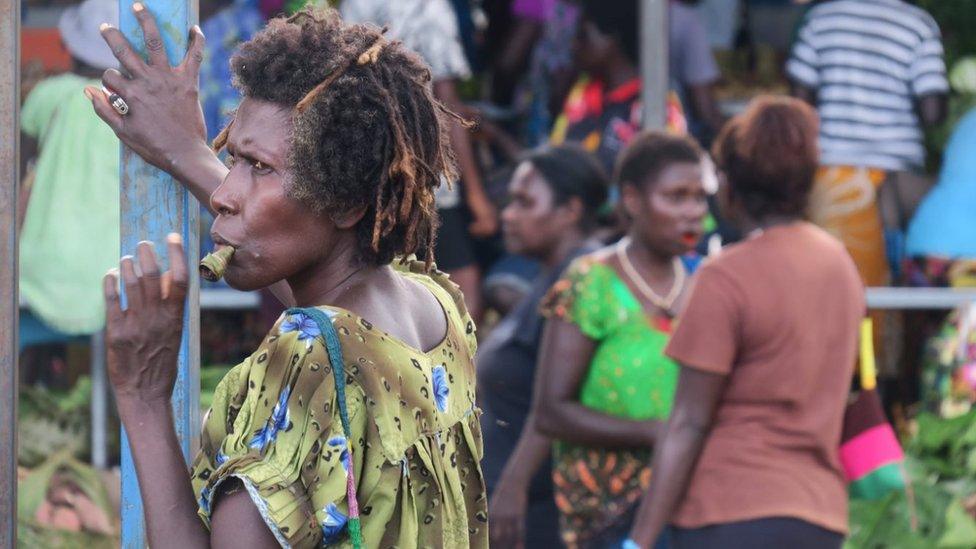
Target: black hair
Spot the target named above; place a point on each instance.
(571, 171)
(650, 153)
(619, 19)
(368, 132)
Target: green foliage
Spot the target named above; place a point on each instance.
(941, 463)
(957, 19)
(210, 376)
(49, 422)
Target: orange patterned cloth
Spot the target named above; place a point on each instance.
(844, 203)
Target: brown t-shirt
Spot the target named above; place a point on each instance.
(778, 314)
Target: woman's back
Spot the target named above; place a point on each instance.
(413, 447)
(777, 314)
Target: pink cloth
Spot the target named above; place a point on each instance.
(537, 10)
(870, 450)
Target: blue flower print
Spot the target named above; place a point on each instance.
(338, 442)
(277, 422)
(307, 328)
(333, 524)
(204, 500)
(221, 458)
(441, 390)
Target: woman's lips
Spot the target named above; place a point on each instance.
(690, 238)
(219, 241)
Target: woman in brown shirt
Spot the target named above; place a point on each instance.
(767, 345)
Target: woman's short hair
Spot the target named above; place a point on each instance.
(619, 19)
(769, 155)
(650, 153)
(571, 171)
(368, 132)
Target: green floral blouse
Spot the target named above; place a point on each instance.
(597, 489)
(414, 453)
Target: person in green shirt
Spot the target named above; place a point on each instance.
(353, 424)
(604, 384)
(70, 231)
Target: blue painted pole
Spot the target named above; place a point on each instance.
(153, 205)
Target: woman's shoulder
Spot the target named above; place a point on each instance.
(439, 283)
(598, 261)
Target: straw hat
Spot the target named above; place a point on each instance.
(79, 30)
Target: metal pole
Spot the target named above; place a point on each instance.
(153, 205)
(919, 298)
(654, 62)
(9, 307)
(99, 403)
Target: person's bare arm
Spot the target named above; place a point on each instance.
(143, 342)
(564, 360)
(235, 522)
(803, 93)
(165, 123)
(706, 107)
(676, 455)
(932, 109)
(509, 502)
(514, 58)
(485, 217)
(28, 151)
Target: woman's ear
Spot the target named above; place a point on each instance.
(348, 219)
(573, 211)
(630, 199)
(725, 199)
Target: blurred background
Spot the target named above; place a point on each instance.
(528, 72)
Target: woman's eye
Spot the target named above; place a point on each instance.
(259, 166)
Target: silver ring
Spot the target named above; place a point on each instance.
(117, 102)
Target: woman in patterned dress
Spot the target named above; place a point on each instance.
(604, 385)
(353, 423)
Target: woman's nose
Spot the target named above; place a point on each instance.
(508, 213)
(224, 201)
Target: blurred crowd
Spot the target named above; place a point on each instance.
(565, 211)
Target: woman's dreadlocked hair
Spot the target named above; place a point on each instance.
(368, 131)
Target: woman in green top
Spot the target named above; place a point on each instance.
(353, 423)
(604, 384)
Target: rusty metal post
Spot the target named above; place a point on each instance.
(153, 205)
(9, 181)
(654, 29)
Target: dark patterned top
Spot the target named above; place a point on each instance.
(415, 443)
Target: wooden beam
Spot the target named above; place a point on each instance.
(153, 205)
(9, 305)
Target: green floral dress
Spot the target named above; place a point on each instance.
(409, 451)
(597, 489)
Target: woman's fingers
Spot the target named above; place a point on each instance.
(113, 307)
(154, 42)
(178, 272)
(115, 81)
(149, 280)
(133, 293)
(103, 109)
(194, 51)
(129, 59)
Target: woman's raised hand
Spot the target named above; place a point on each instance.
(144, 339)
(165, 122)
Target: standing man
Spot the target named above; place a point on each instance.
(875, 71)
